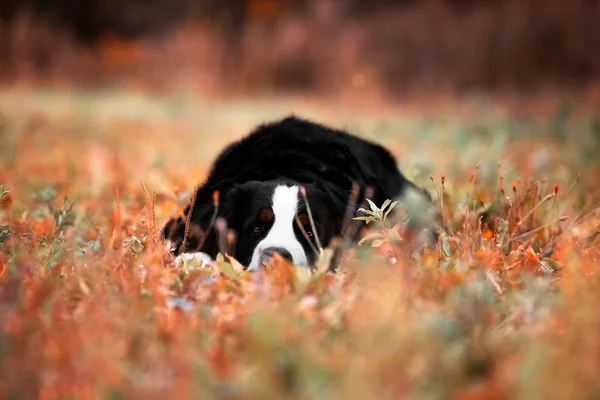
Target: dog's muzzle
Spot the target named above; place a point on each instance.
(268, 253)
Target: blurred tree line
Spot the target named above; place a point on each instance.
(90, 19)
(471, 43)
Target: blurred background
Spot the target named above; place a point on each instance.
(493, 106)
(392, 48)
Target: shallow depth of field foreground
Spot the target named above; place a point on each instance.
(506, 305)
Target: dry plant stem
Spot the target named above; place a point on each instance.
(313, 248)
(152, 217)
(231, 239)
(530, 213)
(577, 219)
(353, 228)
(188, 219)
(572, 185)
(117, 223)
(222, 230)
(154, 230)
(480, 232)
(346, 225)
(336, 244)
(501, 184)
(351, 207)
(435, 187)
(148, 201)
(154, 207)
(473, 181)
(524, 235)
(555, 211)
(310, 217)
(394, 249)
(510, 209)
(442, 202)
(467, 220)
(545, 186)
(439, 200)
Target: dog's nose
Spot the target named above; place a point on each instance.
(267, 253)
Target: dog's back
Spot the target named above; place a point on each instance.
(308, 152)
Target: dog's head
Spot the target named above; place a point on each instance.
(266, 218)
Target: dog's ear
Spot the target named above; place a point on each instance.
(174, 231)
(201, 234)
(230, 203)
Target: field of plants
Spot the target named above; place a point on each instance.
(92, 306)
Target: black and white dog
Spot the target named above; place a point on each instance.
(259, 180)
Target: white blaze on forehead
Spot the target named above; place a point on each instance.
(281, 234)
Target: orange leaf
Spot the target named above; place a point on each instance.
(449, 280)
(480, 254)
(531, 256)
(3, 265)
(6, 202)
(44, 227)
(237, 266)
(219, 361)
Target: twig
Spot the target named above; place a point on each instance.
(350, 234)
(187, 220)
(314, 249)
(350, 207)
(222, 229)
(545, 199)
(310, 217)
(152, 217)
(524, 235)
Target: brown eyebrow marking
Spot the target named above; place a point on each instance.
(266, 215)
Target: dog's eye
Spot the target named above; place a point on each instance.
(257, 229)
(309, 234)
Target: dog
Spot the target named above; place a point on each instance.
(286, 188)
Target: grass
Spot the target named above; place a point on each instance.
(505, 306)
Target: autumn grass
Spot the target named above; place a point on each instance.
(504, 306)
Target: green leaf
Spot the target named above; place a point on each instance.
(47, 194)
(373, 206)
(446, 245)
(377, 243)
(374, 235)
(4, 233)
(134, 244)
(593, 237)
(64, 217)
(390, 209)
(385, 204)
(227, 268)
(394, 235)
(366, 211)
(550, 263)
(368, 219)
